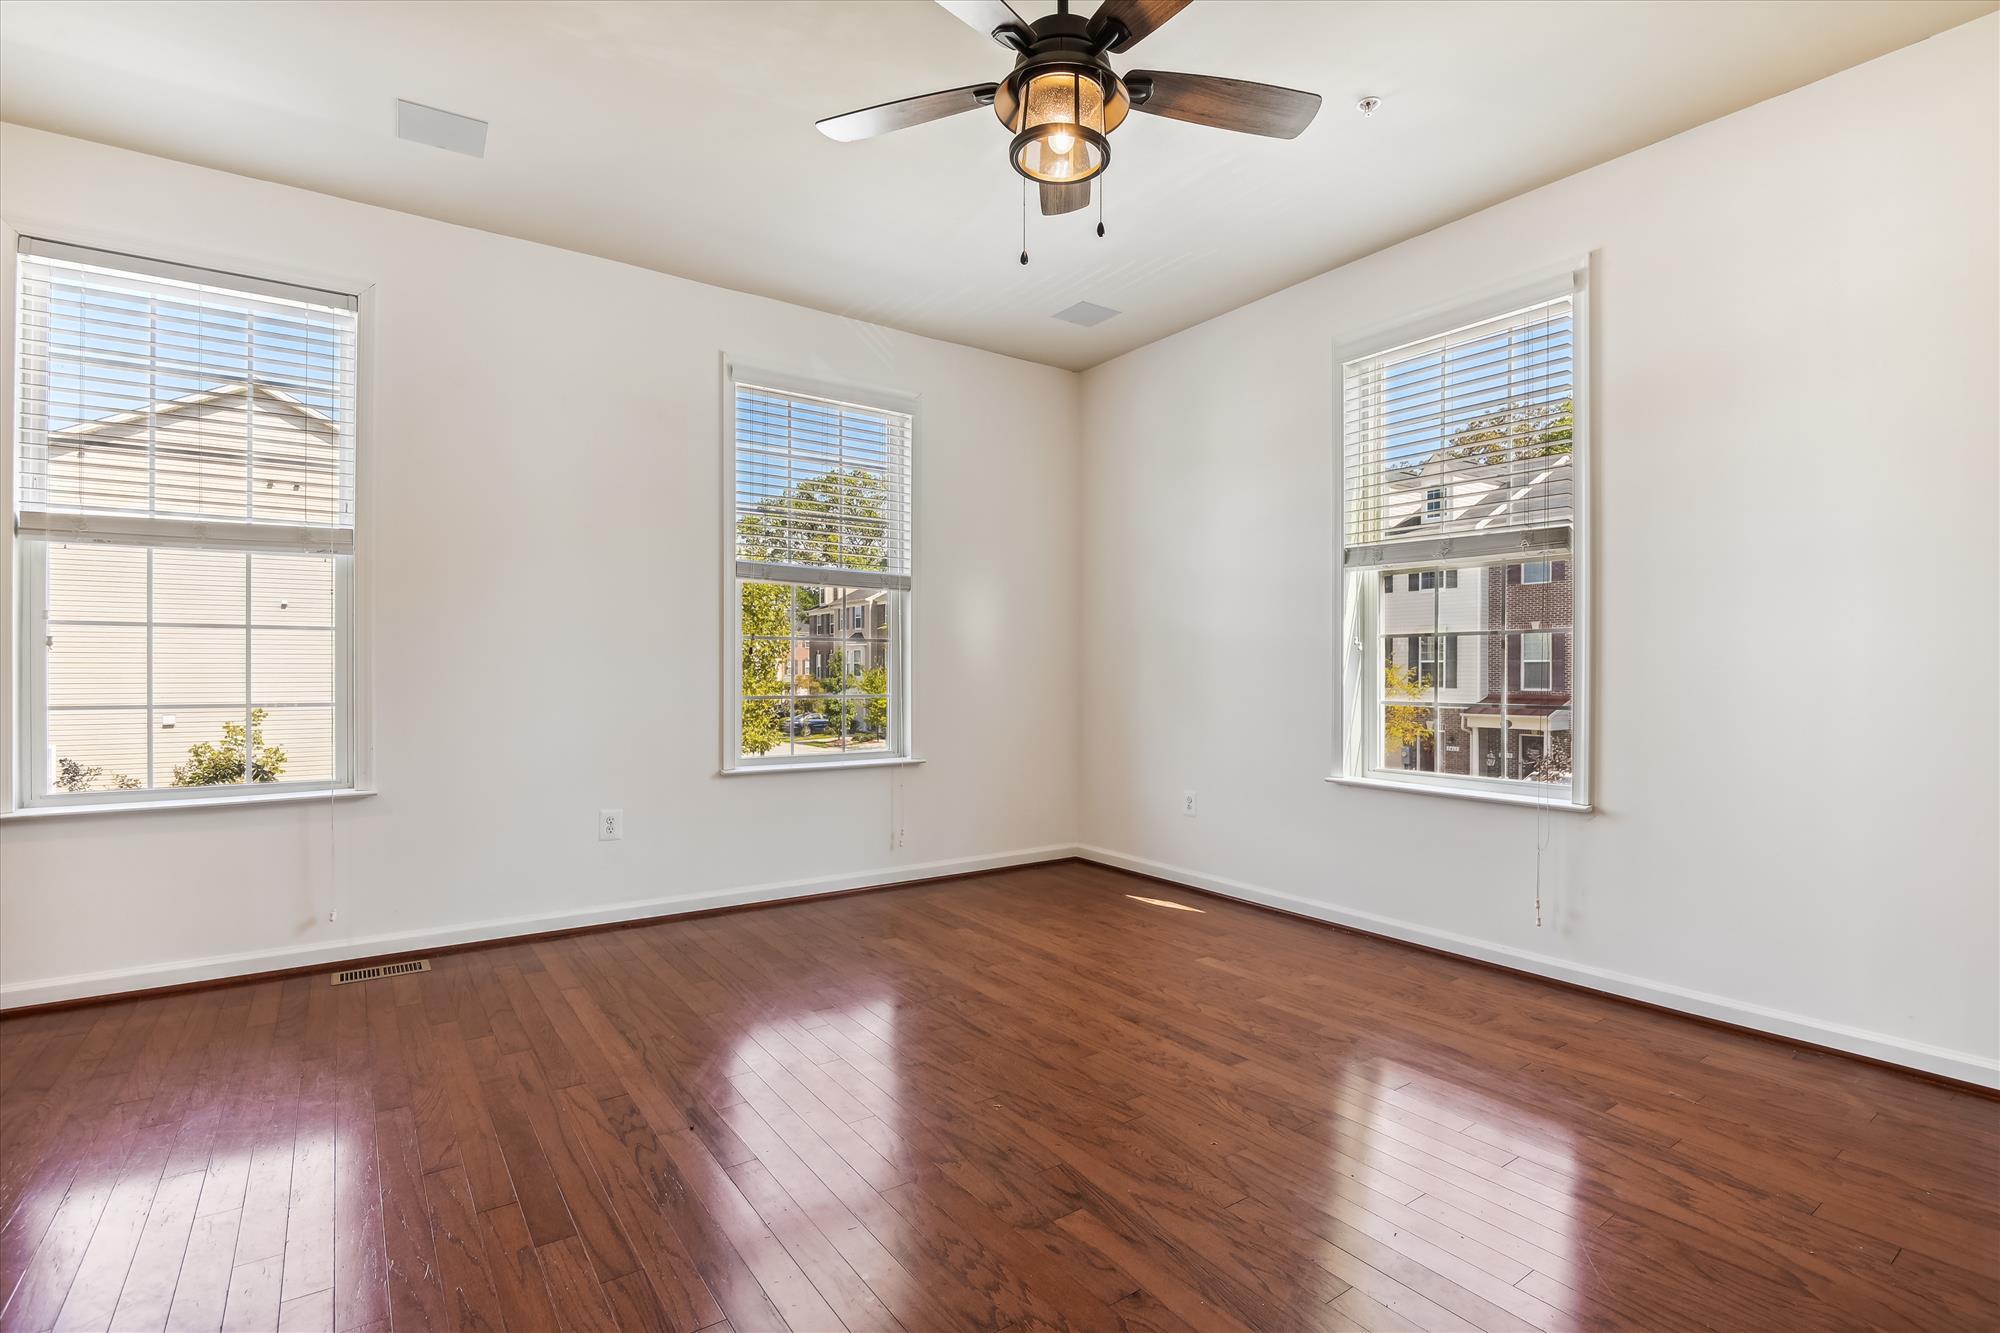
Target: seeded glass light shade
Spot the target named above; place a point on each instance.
(1060, 128)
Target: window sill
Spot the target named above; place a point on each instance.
(821, 766)
(189, 803)
(1565, 806)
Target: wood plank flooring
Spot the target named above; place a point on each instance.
(1056, 1097)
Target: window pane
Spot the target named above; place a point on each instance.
(97, 583)
(296, 458)
(298, 744)
(197, 747)
(202, 457)
(291, 589)
(1538, 605)
(204, 586)
(767, 729)
(292, 666)
(816, 730)
(825, 651)
(194, 666)
(1409, 737)
(97, 750)
(96, 665)
(864, 721)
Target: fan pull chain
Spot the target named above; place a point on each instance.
(1100, 205)
(1024, 221)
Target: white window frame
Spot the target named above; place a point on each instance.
(23, 567)
(897, 748)
(1358, 735)
(1546, 568)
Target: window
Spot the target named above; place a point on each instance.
(819, 581)
(184, 524)
(1461, 453)
(1537, 661)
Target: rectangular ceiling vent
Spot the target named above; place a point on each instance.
(440, 129)
(1086, 314)
(354, 974)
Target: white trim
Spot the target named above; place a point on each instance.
(13, 610)
(120, 261)
(820, 765)
(1427, 785)
(200, 534)
(84, 985)
(1962, 1065)
(1357, 739)
(198, 798)
(354, 676)
(899, 741)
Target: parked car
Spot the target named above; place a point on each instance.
(807, 724)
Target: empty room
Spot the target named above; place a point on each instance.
(896, 666)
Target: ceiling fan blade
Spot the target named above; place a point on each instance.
(1064, 198)
(1138, 17)
(871, 121)
(992, 18)
(1227, 104)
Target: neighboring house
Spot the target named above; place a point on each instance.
(1487, 645)
(233, 450)
(850, 626)
(1459, 497)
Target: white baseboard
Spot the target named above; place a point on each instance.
(91, 984)
(1961, 1065)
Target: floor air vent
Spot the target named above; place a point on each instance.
(385, 970)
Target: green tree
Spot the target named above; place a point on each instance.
(74, 776)
(209, 764)
(1405, 724)
(1538, 430)
(874, 683)
(767, 621)
(835, 519)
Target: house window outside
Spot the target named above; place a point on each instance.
(184, 524)
(1468, 677)
(1537, 660)
(820, 573)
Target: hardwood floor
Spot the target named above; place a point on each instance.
(1057, 1097)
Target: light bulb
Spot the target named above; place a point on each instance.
(1060, 142)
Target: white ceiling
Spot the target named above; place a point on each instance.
(680, 136)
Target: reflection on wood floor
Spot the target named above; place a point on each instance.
(1057, 1097)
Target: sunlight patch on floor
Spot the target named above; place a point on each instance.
(1162, 902)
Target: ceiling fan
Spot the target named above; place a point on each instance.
(1063, 99)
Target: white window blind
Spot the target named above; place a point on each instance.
(182, 407)
(1458, 446)
(184, 468)
(821, 485)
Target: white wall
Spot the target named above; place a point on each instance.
(1786, 296)
(543, 539)
(1796, 719)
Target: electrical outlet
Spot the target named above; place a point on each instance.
(610, 825)
(1187, 804)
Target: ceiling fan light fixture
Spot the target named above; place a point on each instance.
(1060, 117)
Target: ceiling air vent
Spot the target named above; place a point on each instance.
(440, 129)
(354, 974)
(1086, 314)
